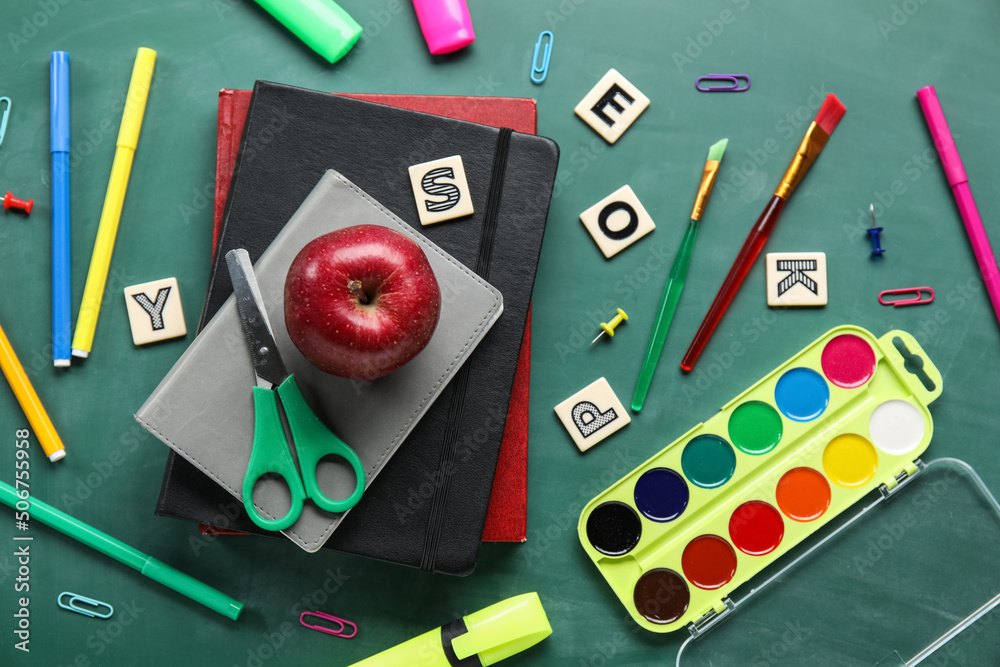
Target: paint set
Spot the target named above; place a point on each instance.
(846, 415)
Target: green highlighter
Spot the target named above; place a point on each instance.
(322, 24)
(109, 546)
(678, 273)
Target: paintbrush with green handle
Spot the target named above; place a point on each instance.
(678, 273)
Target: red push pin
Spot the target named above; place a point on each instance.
(10, 201)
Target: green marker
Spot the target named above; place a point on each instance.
(678, 273)
(109, 546)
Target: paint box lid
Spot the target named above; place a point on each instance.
(911, 573)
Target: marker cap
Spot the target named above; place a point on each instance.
(59, 102)
(135, 100)
(503, 629)
(446, 24)
(322, 24)
(941, 134)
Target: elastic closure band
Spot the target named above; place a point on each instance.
(446, 464)
(492, 217)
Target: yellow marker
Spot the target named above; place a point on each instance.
(32, 406)
(100, 262)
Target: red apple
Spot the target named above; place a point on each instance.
(361, 301)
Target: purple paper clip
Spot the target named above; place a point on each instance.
(340, 632)
(733, 79)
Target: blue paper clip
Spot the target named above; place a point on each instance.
(733, 79)
(74, 598)
(543, 70)
(3, 120)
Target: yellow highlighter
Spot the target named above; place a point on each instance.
(100, 262)
(32, 406)
(482, 638)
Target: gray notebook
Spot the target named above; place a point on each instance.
(203, 408)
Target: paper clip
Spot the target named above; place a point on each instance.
(734, 80)
(74, 598)
(543, 70)
(344, 624)
(3, 120)
(918, 300)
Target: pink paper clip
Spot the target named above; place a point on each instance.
(344, 624)
(918, 300)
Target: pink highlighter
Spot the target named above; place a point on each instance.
(446, 24)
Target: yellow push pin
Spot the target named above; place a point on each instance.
(609, 327)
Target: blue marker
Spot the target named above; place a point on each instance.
(59, 146)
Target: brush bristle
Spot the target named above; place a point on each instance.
(717, 149)
(830, 113)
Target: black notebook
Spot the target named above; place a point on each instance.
(428, 506)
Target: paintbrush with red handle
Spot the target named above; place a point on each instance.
(812, 145)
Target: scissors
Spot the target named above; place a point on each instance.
(271, 453)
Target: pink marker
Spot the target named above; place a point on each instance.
(959, 182)
(446, 24)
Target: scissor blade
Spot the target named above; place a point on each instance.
(267, 362)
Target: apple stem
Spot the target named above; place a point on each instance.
(355, 286)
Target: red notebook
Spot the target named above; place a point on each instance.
(506, 519)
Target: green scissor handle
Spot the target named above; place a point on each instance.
(270, 454)
(313, 441)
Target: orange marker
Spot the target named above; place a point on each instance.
(32, 406)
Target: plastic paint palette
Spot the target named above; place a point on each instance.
(715, 507)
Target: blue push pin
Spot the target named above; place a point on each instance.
(874, 232)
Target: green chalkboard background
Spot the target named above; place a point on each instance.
(874, 54)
